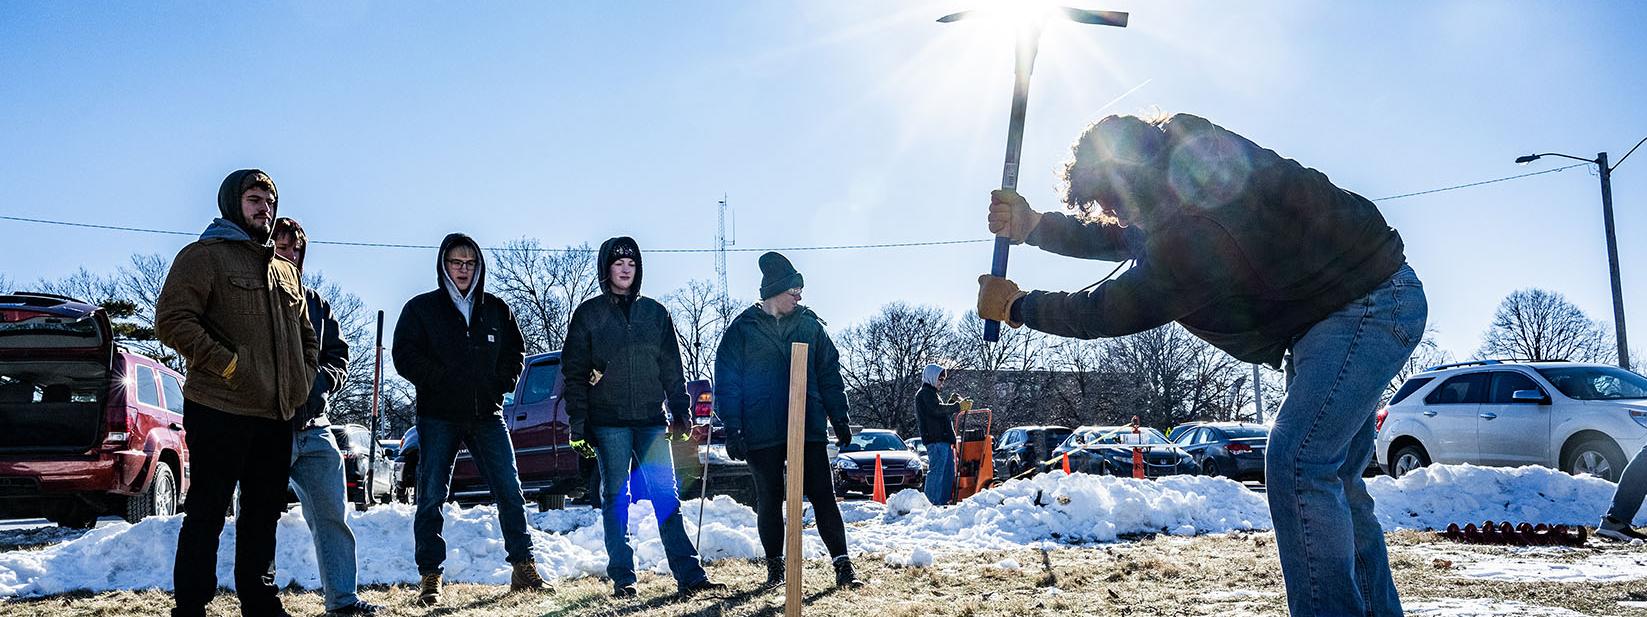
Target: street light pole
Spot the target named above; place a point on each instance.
(1619, 335)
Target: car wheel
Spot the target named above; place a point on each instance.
(76, 517)
(1598, 457)
(1408, 458)
(1210, 468)
(159, 500)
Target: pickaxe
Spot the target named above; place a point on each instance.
(1029, 38)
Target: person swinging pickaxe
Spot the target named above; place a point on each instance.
(1029, 38)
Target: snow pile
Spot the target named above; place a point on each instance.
(1045, 512)
(1434, 496)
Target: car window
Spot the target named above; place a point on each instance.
(1596, 383)
(1468, 388)
(1407, 389)
(1238, 432)
(1145, 437)
(1208, 435)
(1011, 438)
(148, 392)
(174, 392)
(540, 382)
(1505, 384)
(1185, 436)
(871, 442)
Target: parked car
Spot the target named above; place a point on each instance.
(356, 442)
(1027, 448)
(1229, 449)
(1576, 417)
(855, 465)
(87, 427)
(1109, 450)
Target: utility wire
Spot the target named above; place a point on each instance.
(829, 247)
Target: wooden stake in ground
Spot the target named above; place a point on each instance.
(792, 492)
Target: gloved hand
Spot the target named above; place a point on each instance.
(995, 298)
(843, 436)
(583, 448)
(1010, 215)
(736, 448)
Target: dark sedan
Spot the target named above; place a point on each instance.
(1110, 452)
(1230, 449)
(855, 466)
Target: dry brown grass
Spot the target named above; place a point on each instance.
(1212, 575)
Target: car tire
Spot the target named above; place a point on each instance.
(1210, 468)
(159, 500)
(1408, 458)
(1597, 456)
(78, 516)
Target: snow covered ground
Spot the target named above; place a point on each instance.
(1050, 511)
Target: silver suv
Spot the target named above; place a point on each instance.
(1576, 417)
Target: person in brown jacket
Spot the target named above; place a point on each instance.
(236, 313)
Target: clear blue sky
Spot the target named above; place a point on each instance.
(839, 122)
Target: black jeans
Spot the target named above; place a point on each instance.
(767, 467)
(225, 449)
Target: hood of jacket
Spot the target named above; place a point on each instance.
(929, 375)
(224, 229)
(228, 202)
(610, 252)
(478, 287)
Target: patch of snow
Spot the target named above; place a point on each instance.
(917, 558)
(1237, 595)
(1008, 564)
(1432, 497)
(1453, 607)
(1605, 567)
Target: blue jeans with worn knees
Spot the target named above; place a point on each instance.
(494, 454)
(615, 447)
(1632, 488)
(1331, 546)
(940, 475)
(317, 478)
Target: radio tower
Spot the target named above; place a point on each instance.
(721, 242)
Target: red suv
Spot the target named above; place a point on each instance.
(87, 428)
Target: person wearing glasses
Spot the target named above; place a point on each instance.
(752, 399)
(462, 349)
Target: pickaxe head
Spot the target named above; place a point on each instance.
(1083, 16)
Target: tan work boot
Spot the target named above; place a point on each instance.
(525, 577)
(428, 590)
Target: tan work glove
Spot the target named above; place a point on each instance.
(1010, 215)
(995, 298)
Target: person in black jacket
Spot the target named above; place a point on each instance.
(622, 364)
(937, 423)
(317, 464)
(1267, 260)
(462, 349)
(752, 399)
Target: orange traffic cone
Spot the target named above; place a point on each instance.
(880, 482)
(1138, 463)
(1066, 462)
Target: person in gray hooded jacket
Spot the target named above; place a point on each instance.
(622, 362)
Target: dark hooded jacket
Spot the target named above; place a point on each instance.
(334, 358)
(629, 340)
(752, 378)
(935, 419)
(461, 371)
(1258, 249)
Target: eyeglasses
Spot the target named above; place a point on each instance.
(462, 264)
(794, 292)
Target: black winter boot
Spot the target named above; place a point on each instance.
(844, 576)
(774, 572)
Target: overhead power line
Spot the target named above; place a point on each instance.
(827, 247)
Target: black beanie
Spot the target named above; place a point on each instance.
(778, 275)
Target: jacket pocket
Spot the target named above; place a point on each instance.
(247, 295)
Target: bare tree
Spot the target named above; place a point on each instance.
(697, 311)
(357, 327)
(543, 286)
(6, 286)
(140, 283)
(1543, 325)
(1428, 354)
(1174, 377)
(883, 357)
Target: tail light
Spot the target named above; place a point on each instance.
(1382, 414)
(118, 439)
(352, 484)
(1239, 447)
(704, 406)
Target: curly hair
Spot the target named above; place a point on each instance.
(1108, 161)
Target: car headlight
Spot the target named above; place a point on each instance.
(845, 463)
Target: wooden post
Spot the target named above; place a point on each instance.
(796, 467)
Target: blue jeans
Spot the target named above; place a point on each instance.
(615, 447)
(1332, 549)
(317, 478)
(488, 441)
(1632, 488)
(940, 475)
